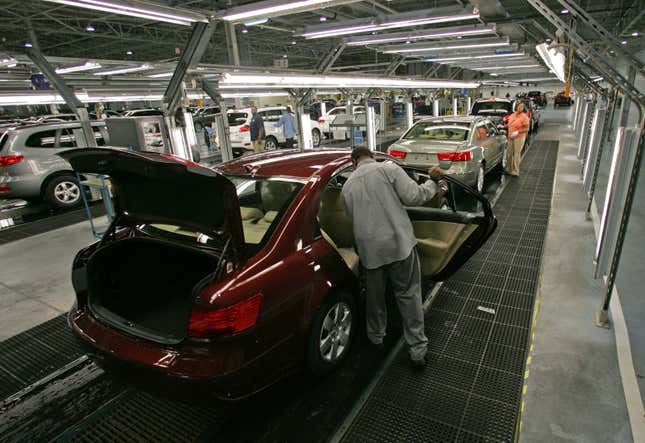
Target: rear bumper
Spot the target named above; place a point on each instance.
(464, 174)
(221, 370)
(20, 186)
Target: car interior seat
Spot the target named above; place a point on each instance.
(255, 221)
(336, 226)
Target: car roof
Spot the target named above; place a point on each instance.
(289, 163)
(51, 125)
(265, 108)
(493, 99)
(454, 119)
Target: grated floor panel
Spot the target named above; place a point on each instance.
(471, 389)
(29, 356)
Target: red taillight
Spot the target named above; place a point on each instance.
(4, 189)
(456, 156)
(322, 120)
(10, 160)
(245, 128)
(399, 154)
(506, 118)
(227, 321)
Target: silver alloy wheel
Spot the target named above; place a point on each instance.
(67, 192)
(335, 332)
(315, 138)
(480, 178)
(270, 144)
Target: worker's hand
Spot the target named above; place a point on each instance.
(435, 173)
(515, 133)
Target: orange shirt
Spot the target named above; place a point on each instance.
(518, 123)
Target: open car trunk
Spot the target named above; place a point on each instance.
(148, 286)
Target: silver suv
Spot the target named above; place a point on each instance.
(30, 168)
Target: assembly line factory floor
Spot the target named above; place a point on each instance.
(566, 386)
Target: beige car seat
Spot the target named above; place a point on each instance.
(336, 226)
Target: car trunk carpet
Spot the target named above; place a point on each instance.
(478, 330)
(139, 281)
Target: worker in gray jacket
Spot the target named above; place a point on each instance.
(375, 195)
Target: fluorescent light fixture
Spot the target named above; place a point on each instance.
(254, 94)
(146, 10)
(635, 34)
(497, 68)
(273, 8)
(442, 46)
(90, 28)
(13, 65)
(8, 61)
(392, 21)
(624, 42)
(554, 59)
(128, 70)
(430, 34)
(599, 79)
(257, 21)
(493, 74)
(87, 66)
(28, 45)
(564, 11)
(473, 57)
(270, 81)
(160, 75)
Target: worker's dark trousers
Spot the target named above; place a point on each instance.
(405, 280)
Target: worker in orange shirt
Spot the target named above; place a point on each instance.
(518, 127)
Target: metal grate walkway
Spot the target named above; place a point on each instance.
(478, 329)
(33, 354)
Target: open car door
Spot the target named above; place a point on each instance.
(450, 229)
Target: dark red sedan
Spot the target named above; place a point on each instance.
(226, 280)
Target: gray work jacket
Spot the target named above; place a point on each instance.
(374, 195)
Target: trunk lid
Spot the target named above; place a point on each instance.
(152, 187)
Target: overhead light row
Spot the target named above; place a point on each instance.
(391, 21)
(473, 57)
(127, 70)
(272, 81)
(87, 66)
(141, 10)
(430, 34)
(445, 45)
(272, 8)
(46, 99)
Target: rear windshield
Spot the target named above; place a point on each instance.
(439, 131)
(237, 118)
(492, 108)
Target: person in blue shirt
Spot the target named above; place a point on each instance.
(288, 123)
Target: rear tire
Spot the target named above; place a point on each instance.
(315, 138)
(332, 333)
(62, 192)
(271, 144)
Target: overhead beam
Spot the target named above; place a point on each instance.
(65, 91)
(585, 18)
(190, 58)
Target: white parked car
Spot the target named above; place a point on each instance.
(340, 133)
(239, 122)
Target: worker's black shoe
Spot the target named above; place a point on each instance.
(419, 364)
(378, 347)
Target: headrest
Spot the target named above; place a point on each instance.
(275, 194)
(251, 214)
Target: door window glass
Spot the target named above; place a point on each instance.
(42, 139)
(66, 138)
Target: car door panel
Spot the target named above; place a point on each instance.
(447, 237)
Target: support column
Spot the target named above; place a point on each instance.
(455, 102)
(469, 104)
(370, 127)
(409, 112)
(435, 108)
(624, 108)
(231, 44)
